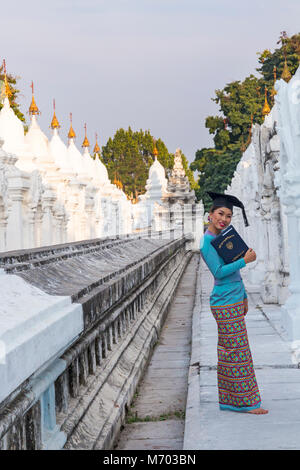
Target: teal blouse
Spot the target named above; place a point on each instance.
(228, 287)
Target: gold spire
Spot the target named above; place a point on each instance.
(117, 182)
(96, 148)
(266, 109)
(243, 146)
(286, 74)
(85, 142)
(6, 91)
(71, 134)
(155, 151)
(54, 123)
(273, 91)
(33, 109)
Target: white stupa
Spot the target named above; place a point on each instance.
(11, 130)
(157, 182)
(88, 161)
(100, 168)
(156, 187)
(75, 158)
(37, 142)
(59, 151)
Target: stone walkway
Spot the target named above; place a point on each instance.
(156, 418)
(277, 374)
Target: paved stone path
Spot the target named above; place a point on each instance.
(277, 375)
(158, 409)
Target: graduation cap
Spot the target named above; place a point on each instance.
(226, 200)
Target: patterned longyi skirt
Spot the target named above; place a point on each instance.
(238, 390)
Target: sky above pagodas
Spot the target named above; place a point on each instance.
(148, 64)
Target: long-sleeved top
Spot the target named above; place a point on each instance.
(228, 287)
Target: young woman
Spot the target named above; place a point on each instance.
(238, 390)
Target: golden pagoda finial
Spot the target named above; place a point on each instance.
(33, 109)
(6, 91)
(286, 74)
(71, 134)
(266, 109)
(243, 147)
(117, 181)
(97, 148)
(54, 122)
(85, 142)
(273, 91)
(155, 151)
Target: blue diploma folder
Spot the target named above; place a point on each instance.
(229, 245)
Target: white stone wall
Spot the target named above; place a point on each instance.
(255, 184)
(51, 193)
(267, 180)
(39, 208)
(288, 182)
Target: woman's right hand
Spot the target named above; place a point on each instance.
(250, 256)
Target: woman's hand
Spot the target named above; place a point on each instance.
(245, 306)
(250, 256)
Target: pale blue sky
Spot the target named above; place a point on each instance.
(150, 64)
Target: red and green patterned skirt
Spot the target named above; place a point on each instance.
(238, 390)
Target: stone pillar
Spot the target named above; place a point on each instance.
(284, 253)
(32, 242)
(47, 219)
(3, 225)
(18, 185)
(269, 288)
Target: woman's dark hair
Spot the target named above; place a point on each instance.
(213, 208)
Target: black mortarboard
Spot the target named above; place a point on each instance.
(226, 200)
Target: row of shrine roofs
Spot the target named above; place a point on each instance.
(69, 159)
(33, 147)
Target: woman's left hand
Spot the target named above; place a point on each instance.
(245, 306)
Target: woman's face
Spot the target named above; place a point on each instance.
(220, 218)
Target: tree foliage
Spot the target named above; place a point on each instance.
(12, 80)
(129, 155)
(240, 105)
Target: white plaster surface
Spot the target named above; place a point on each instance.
(34, 327)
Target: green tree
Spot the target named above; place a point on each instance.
(12, 81)
(240, 105)
(129, 155)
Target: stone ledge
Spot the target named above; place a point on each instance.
(161, 266)
(107, 398)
